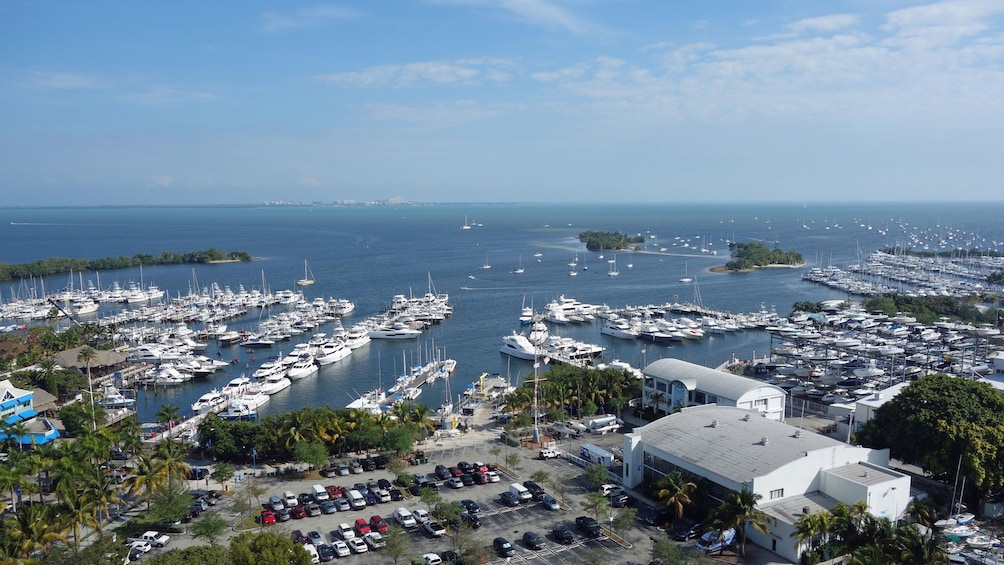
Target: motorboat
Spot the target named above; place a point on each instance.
(356, 337)
(393, 331)
(236, 386)
(209, 402)
(275, 383)
(112, 398)
(517, 345)
(331, 351)
(981, 540)
(960, 519)
(619, 328)
(304, 367)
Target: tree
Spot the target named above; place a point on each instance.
(812, 529)
(148, 477)
(168, 413)
(940, 420)
(222, 472)
(667, 552)
(559, 485)
(673, 491)
(738, 511)
(267, 547)
(429, 497)
(541, 477)
(312, 453)
(34, 528)
(398, 542)
(496, 451)
(512, 460)
(88, 356)
(654, 399)
(597, 475)
(198, 554)
(209, 526)
(594, 503)
(624, 517)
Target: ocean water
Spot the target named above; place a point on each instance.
(369, 254)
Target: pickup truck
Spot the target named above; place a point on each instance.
(154, 538)
(549, 453)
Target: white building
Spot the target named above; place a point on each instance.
(794, 471)
(679, 383)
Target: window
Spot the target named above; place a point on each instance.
(661, 386)
(776, 494)
(760, 402)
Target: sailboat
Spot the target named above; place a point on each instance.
(466, 226)
(613, 272)
(487, 265)
(519, 268)
(686, 278)
(308, 277)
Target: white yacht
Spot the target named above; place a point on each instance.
(517, 345)
(114, 399)
(331, 351)
(304, 367)
(237, 386)
(275, 383)
(394, 331)
(356, 337)
(209, 402)
(619, 328)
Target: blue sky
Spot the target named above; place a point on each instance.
(231, 102)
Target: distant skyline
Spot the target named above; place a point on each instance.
(125, 103)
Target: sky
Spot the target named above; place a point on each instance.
(241, 102)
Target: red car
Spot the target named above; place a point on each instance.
(266, 518)
(456, 472)
(298, 511)
(362, 527)
(378, 524)
(334, 491)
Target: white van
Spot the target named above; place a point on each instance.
(320, 493)
(521, 492)
(312, 551)
(356, 500)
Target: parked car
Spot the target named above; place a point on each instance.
(357, 545)
(432, 559)
(442, 472)
(493, 477)
(509, 499)
(315, 537)
(434, 528)
(305, 498)
(455, 471)
(342, 504)
(284, 515)
(396, 495)
(468, 480)
(374, 540)
(341, 548)
(345, 531)
(334, 491)
(289, 499)
(275, 503)
(298, 512)
(480, 478)
(383, 495)
(421, 515)
(405, 518)
(589, 526)
(362, 527)
(266, 518)
(470, 506)
(533, 540)
(313, 509)
(685, 533)
(328, 507)
(550, 502)
(465, 467)
(611, 489)
(455, 482)
(503, 547)
(562, 535)
(325, 552)
(378, 524)
(536, 491)
(384, 484)
(343, 470)
(298, 537)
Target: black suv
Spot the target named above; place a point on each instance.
(687, 532)
(533, 540)
(535, 490)
(442, 472)
(588, 525)
(562, 535)
(503, 547)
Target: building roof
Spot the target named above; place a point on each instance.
(9, 391)
(104, 358)
(865, 474)
(790, 508)
(718, 383)
(729, 441)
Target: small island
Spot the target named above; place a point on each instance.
(60, 265)
(614, 241)
(749, 256)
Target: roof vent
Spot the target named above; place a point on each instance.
(805, 510)
(714, 423)
(746, 417)
(764, 440)
(798, 433)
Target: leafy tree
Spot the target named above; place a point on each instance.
(312, 453)
(624, 517)
(675, 492)
(429, 497)
(594, 503)
(512, 459)
(222, 472)
(559, 485)
(667, 552)
(267, 547)
(597, 475)
(210, 555)
(940, 420)
(209, 526)
(541, 477)
(398, 543)
(738, 511)
(496, 451)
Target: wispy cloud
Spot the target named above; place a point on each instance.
(544, 13)
(463, 72)
(941, 23)
(59, 81)
(443, 113)
(308, 16)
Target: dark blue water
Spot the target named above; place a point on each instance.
(368, 254)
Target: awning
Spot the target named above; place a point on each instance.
(21, 416)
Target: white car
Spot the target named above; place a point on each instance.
(143, 546)
(611, 489)
(421, 515)
(493, 477)
(404, 517)
(346, 531)
(341, 549)
(455, 482)
(312, 551)
(383, 495)
(357, 545)
(434, 528)
(289, 499)
(374, 540)
(432, 559)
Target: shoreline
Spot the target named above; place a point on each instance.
(722, 269)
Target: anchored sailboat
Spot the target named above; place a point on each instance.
(686, 278)
(308, 277)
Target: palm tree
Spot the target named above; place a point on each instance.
(97, 492)
(171, 455)
(812, 528)
(916, 549)
(87, 356)
(654, 398)
(675, 492)
(34, 528)
(73, 512)
(149, 477)
(871, 554)
(168, 413)
(738, 511)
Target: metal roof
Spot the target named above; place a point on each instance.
(730, 442)
(718, 383)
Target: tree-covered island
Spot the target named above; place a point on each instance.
(753, 255)
(61, 265)
(614, 241)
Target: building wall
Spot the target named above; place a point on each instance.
(767, 399)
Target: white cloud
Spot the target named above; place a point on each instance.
(308, 16)
(463, 71)
(544, 13)
(59, 81)
(164, 96)
(825, 24)
(941, 23)
(442, 113)
(161, 181)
